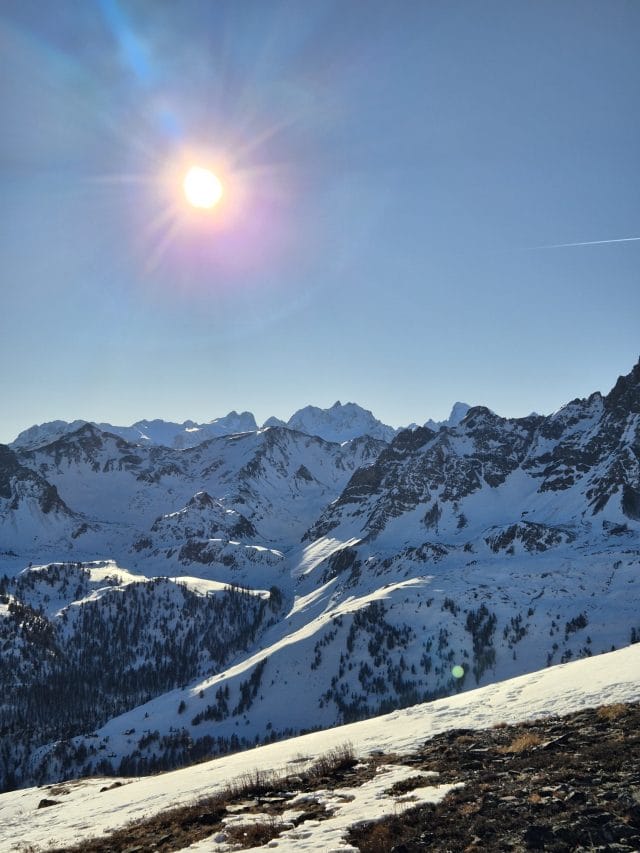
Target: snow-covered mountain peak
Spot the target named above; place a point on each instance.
(458, 411)
(41, 434)
(340, 423)
(184, 435)
(235, 422)
(273, 422)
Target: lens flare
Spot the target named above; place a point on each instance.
(202, 188)
(457, 671)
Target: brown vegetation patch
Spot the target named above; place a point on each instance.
(410, 784)
(612, 712)
(254, 834)
(378, 839)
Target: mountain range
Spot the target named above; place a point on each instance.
(320, 572)
(340, 423)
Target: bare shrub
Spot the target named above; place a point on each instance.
(339, 758)
(254, 834)
(406, 785)
(253, 783)
(380, 839)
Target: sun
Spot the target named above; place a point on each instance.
(202, 188)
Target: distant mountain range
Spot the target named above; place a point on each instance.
(348, 573)
(340, 423)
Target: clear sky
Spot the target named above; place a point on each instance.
(388, 170)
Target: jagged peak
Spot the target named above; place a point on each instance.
(476, 412)
(625, 394)
(201, 499)
(413, 439)
(273, 422)
(456, 416)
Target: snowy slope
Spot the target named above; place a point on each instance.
(84, 812)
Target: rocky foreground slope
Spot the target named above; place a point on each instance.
(561, 784)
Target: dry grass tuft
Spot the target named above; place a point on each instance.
(462, 739)
(522, 743)
(259, 782)
(253, 783)
(612, 712)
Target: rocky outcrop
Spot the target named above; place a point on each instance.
(531, 537)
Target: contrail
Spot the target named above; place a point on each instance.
(586, 243)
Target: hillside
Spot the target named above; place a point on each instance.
(563, 778)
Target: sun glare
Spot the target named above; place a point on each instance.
(202, 188)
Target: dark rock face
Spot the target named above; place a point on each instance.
(631, 502)
(625, 394)
(9, 467)
(560, 784)
(18, 483)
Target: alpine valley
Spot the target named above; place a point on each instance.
(172, 592)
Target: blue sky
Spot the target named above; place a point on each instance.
(389, 170)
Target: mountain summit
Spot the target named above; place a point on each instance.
(340, 423)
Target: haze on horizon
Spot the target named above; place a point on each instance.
(421, 204)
